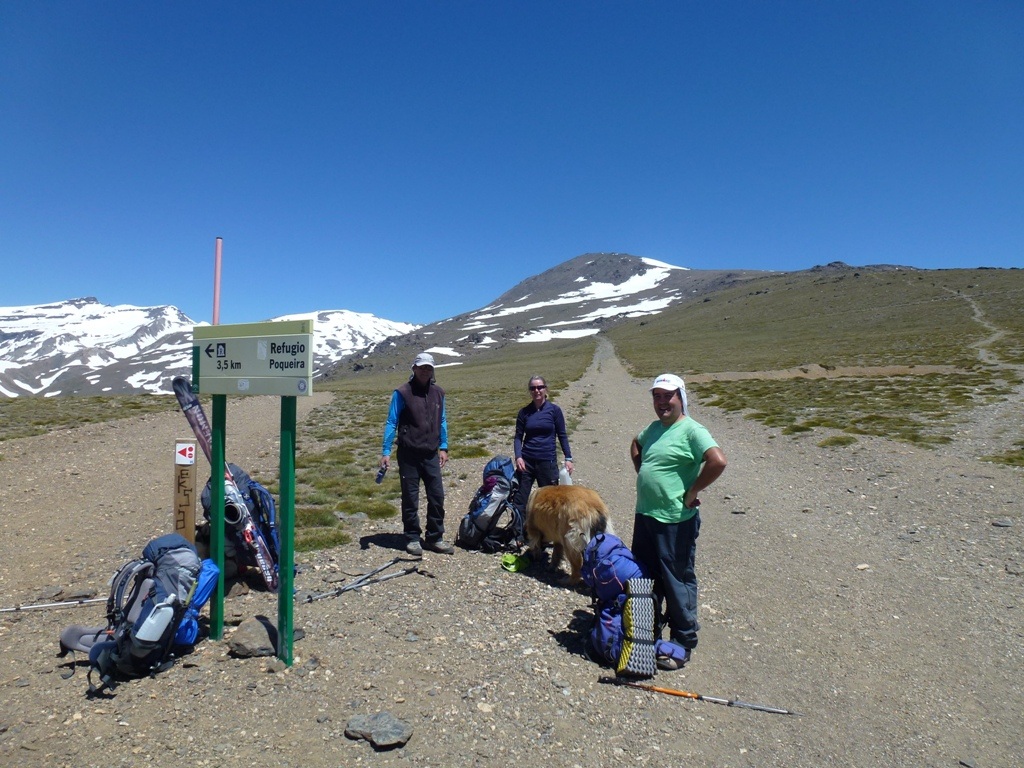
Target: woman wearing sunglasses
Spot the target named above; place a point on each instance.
(537, 427)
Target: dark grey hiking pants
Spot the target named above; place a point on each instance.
(413, 467)
(542, 472)
(669, 551)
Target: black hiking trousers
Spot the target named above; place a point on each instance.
(414, 466)
(669, 552)
(542, 472)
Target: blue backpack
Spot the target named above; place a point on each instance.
(265, 513)
(608, 565)
(493, 523)
(263, 510)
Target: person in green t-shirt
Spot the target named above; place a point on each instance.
(675, 459)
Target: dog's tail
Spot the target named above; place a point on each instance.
(603, 524)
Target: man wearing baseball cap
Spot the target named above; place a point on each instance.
(417, 417)
(675, 459)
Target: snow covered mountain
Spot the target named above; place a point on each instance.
(574, 299)
(84, 347)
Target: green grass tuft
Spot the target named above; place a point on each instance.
(915, 409)
(312, 539)
(1013, 458)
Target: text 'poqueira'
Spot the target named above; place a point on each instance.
(293, 349)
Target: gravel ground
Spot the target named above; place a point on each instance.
(876, 589)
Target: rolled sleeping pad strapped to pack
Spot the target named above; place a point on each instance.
(637, 657)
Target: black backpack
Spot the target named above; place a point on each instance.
(493, 523)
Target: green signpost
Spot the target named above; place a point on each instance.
(258, 359)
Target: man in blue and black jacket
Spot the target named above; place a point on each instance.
(417, 417)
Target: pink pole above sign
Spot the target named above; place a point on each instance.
(216, 280)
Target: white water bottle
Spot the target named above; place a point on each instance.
(564, 478)
(156, 623)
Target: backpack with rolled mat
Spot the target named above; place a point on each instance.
(239, 552)
(626, 622)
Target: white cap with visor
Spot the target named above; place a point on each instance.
(669, 382)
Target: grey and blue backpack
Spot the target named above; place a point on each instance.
(152, 614)
(493, 523)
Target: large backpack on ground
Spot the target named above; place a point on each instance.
(152, 613)
(625, 620)
(264, 513)
(493, 523)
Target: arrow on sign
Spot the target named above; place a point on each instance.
(209, 350)
(184, 453)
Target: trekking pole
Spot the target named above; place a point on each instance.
(698, 696)
(385, 577)
(358, 580)
(62, 604)
(364, 577)
(365, 580)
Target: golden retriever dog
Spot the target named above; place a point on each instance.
(567, 516)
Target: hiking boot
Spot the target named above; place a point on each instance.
(441, 547)
(414, 548)
(671, 663)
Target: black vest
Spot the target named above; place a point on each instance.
(419, 423)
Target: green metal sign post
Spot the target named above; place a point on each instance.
(217, 442)
(286, 577)
(256, 359)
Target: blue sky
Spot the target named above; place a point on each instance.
(416, 159)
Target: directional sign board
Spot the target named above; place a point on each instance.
(255, 358)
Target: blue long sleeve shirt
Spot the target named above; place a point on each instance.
(536, 431)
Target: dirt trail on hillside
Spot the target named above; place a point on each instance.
(876, 588)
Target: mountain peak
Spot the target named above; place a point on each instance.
(82, 346)
(574, 299)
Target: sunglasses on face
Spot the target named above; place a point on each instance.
(537, 389)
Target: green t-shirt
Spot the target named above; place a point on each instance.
(670, 462)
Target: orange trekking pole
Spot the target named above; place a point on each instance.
(697, 696)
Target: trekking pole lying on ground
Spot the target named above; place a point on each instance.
(697, 696)
(62, 604)
(366, 579)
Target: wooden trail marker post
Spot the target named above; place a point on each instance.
(185, 489)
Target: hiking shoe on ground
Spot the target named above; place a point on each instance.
(441, 547)
(671, 663)
(414, 548)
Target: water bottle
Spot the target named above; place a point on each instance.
(380, 475)
(564, 478)
(152, 629)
